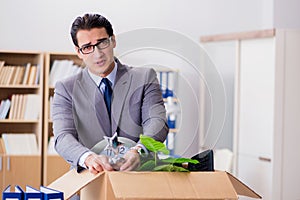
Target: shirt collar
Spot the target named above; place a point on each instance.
(111, 77)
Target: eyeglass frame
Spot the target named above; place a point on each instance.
(96, 45)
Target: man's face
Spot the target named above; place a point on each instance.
(99, 62)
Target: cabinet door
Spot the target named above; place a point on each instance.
(2, 186)
(257, 174)
(22, 170)
(256, 97)
(56, 167)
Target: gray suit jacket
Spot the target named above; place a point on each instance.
(80, 117)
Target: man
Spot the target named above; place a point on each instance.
(84, 110)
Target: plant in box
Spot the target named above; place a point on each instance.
(155, 163)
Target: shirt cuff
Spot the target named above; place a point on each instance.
(83, 158)
(145, 150)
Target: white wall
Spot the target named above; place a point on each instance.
(44, 25)
(286, 14)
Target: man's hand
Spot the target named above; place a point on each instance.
(132, 160)
(97, 163)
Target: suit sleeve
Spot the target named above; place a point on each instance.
(154, 120)
(66, 138)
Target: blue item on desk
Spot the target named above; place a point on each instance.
(18, 193)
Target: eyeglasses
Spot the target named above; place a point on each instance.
(102, 44)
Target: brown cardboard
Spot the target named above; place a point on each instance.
(152, 185)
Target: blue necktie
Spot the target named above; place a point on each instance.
(107, 94)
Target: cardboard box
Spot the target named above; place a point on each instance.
(152, 185)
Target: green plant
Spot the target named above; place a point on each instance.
(168, 164)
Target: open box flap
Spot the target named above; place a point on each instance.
(157, 185)
(241, 188)
(171, 185)
(72, 182)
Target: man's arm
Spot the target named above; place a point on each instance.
(66, 138)
(153, 115)
(154, 121)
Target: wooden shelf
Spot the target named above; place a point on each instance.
(22, 169)
(18, 121)
(20, 87)
(239, 36)
(54, 165)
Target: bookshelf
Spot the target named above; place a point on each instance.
(43, 167)
(168, 79)
(22, 168)
(54, 165)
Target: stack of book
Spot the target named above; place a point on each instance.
(20, 143)
(61, 69)
(24, 106)
(44, 193)
(19, 75)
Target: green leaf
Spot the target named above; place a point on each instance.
(147, 166)
(170, 168)
(153, 145)
(179, 160)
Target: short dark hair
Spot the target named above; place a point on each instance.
(89, 21)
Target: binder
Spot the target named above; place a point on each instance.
(17, 194)
(49, 193)
(32, 194)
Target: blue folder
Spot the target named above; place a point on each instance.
(17, 194)
(49, 193)
(32, 193)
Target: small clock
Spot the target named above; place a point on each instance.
(115, 148)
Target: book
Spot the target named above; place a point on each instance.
(32, 193)
(4, 72)
(1, 107)
(12, 107)
(20, 76)
(4, 108)
(52, 194)
(15, 193)
(26, 74)
(32, 75)
(37, 75)
(11, 75)
(20, 106)
(32, 107)
(20, 143)
(1, 70)
(2, 63)
(23, 106)
(16, 107)
(15, 76)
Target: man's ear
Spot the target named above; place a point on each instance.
(78, 52)
(113, 39)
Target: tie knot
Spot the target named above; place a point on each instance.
(106, 82)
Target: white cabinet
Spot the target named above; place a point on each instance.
(267, 111)
(256, 97)
(257, 174)
(255, 108)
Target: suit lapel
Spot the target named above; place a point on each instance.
(95, 98)
(120, 91)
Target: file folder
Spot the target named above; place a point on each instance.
(32, 194)
(17, 194)
(52, 194)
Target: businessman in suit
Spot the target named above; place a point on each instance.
(82, 114)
